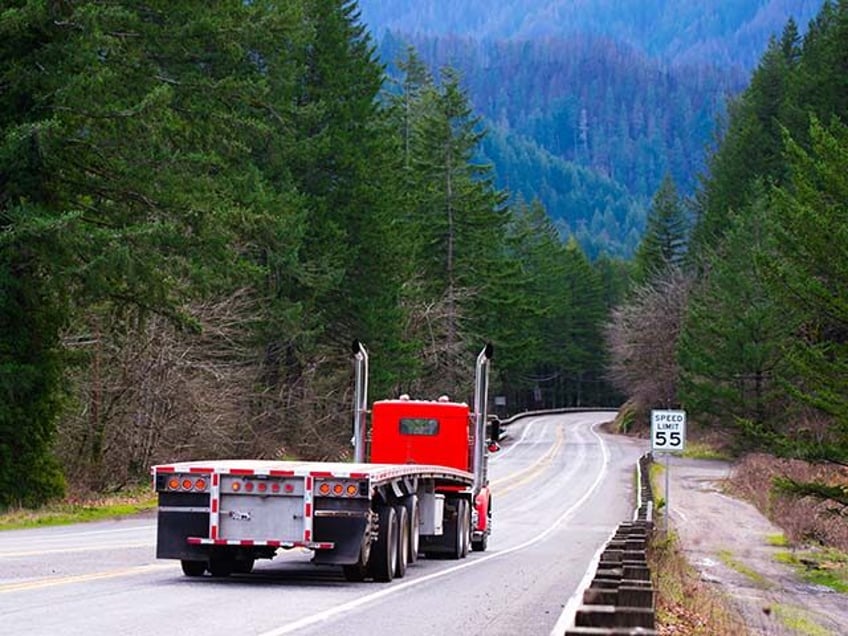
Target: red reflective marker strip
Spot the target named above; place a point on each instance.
(358, 475)
(200, 469)
(321, 473)
(242, 471)
(214, 506)
(307, 510)
(282, 473)
(165, 469)
(213, 533)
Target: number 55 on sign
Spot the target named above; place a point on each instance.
(668, 431)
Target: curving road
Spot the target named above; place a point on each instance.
(560, 486)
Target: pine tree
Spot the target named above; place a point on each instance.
(734, 334)
(663, 245)
(809, 276)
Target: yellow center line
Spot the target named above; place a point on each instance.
(93, 548)
(83, 578)
(540, 465)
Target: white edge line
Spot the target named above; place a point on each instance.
(396, 588)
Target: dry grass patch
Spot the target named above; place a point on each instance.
(686, 605)
(803, 520)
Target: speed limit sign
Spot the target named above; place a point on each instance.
(668, 431)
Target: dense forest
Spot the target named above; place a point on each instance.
(202, 206)
(591, 104)
(745, 318)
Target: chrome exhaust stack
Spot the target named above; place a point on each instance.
(481, 400)
(360, 400)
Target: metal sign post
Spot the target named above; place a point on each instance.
(668, 435)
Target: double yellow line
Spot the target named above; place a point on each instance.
(520, 477)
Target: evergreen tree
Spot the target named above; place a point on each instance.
(664, 244)
(810, 275)
(461, 222)
(127, 178)
(734, 334)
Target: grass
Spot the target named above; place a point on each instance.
(819, 566)
(796, 619)
(685, 604)
(703, 450)
(778, 540)
(79, 510)
(726, 557)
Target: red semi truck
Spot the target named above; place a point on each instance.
(418, 485)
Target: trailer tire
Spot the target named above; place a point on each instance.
(221, 566)
(414, 514)
(384, 554)
(244, 566)
(193, 568)
(402, 540)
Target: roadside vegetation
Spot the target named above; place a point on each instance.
(684, 603)
(80, 510)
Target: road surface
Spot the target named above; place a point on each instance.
(560, 489)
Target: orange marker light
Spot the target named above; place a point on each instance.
(187, 484)
(200, 484)
(324, 489)
(174, 483)
(236, 486)
(338, 489)
(352, 490)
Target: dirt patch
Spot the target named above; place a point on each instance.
(729, 542)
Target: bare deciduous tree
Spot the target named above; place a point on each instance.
(641, 339)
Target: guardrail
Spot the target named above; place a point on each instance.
(619, 600)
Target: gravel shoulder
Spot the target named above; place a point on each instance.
(727, 540)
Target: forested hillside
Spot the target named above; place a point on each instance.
(683, 31)
(591, 104)
(754, 341)
(201, 206)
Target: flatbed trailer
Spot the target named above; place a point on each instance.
(371, 518)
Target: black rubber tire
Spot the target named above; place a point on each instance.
(383, 560)
(402, 540)
(244, 566)
(221, 566)
(355, 572)
(460, 529)
(414, 514)
(193, 568)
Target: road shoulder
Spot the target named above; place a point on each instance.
(728, 541)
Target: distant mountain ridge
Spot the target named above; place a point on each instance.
(590, 103)
(675, 31)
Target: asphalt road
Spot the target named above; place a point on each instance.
(560, 489)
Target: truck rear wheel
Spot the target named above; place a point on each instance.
(414, 514)
(402, 540)
(466, 528)
(461, 527)
(221, 566)
(384, 554)
(193, 568)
